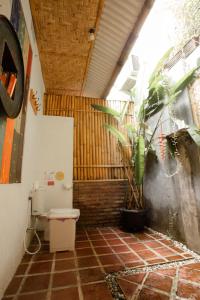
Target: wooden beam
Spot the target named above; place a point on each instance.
(129, 44)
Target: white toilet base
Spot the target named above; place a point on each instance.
(60, 228)
(62, 235)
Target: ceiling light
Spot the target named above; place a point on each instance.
(91, 34)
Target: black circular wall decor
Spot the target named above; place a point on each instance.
(11, 64)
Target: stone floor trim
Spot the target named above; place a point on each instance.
(111, 278)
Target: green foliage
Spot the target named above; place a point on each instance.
(131, 131)
(139, 160)
(187, 21)
(138, 135)
(159, 67)
(157, 90)
(183, 82)
(124, 111)
(107, 110)
(194, 132)
(117, 134)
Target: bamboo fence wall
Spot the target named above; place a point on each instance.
(96, 156)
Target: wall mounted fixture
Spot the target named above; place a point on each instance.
(11, 71)
(34, 101)
(91, 34)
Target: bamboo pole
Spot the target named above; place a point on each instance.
(88, 141)
(85, 138)
(95, 155)
(93, 146)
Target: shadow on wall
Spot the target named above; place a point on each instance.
(175, 202)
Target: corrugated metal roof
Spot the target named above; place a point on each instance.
(116, 24)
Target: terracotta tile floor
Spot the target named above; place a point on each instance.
(100, 251)
(166, 282)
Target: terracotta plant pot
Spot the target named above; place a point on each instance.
(133, 220)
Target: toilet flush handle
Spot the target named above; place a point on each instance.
(67, 187)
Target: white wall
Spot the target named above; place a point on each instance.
(55, 154)
(14, 197)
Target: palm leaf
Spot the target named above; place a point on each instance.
(116, 133)
(194, 132)
(139, 160)
(107, 110)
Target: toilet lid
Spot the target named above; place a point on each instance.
(64, 213)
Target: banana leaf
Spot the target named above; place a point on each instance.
(133, 92)
(184, 81)
(157, 87)
(124, 111)
(154, 109)
(117, 134)
(131, 130)
(172, 98)
(141, 113)
(160, 65)
(194, 132)
(130, 127)
(156, 98)
(107, 110)
(139, 160)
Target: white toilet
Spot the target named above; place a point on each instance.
(59, 224)
(62, 228)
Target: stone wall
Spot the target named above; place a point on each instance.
(174, 201)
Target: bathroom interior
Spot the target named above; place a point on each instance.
(72, 74)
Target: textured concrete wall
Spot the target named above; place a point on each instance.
(174, 202)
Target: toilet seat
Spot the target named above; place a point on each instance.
(63, 213)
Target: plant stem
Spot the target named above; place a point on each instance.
(154, 131)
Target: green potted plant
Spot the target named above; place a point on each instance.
(137, 139)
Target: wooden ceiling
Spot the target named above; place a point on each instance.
(61, 28)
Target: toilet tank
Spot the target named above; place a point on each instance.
(38, 207)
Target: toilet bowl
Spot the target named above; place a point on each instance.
(59, 214)
(59, 224)
(62, 228)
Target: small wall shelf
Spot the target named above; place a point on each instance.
(34, 101)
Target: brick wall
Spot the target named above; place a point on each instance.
(99, 201)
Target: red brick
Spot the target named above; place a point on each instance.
(99, 202)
